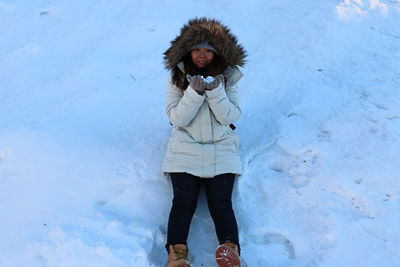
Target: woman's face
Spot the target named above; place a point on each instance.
(201, 57)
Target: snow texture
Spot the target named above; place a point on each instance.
(83, 132)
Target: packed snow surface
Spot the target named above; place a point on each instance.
(83, 132)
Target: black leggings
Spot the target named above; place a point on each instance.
(219, 193)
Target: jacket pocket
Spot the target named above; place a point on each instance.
(182, 143)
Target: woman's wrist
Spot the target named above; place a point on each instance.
(200, 92)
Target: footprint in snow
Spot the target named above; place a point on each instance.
(299, 167)
(324, 136)
(275, 238)
(351, 203)
(133, 170)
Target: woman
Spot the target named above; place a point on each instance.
(203, 148)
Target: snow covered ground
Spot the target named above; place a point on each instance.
(83, 132)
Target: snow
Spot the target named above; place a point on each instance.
(208, 79)
(83, 132)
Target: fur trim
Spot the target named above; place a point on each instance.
(199, 30)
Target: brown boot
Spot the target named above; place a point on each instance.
(178, 256)
(227, 255)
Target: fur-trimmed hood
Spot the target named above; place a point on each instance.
(199, 30)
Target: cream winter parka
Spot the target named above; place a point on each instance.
(202, 142)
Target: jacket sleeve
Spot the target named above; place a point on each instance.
(182, 107)
(224, 104)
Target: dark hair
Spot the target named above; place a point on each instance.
(217, 66)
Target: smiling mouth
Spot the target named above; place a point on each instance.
(201, 63)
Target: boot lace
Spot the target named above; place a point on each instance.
(232, 246)
(180, 253)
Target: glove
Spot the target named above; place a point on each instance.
(197, 83)
(214, 84)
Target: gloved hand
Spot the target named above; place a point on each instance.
(197, 83)
(214, 84)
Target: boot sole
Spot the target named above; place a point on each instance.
(226, 257)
